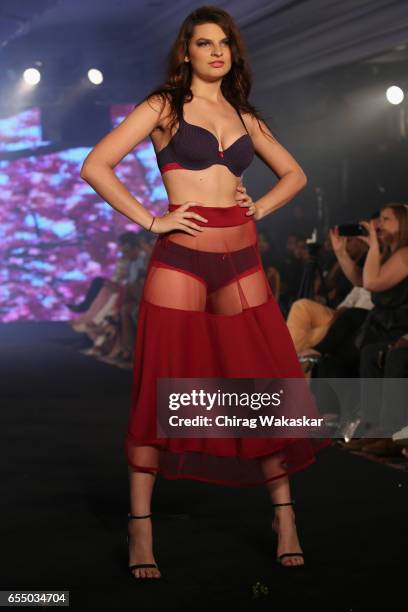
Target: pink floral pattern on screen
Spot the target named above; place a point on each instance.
(56, 233)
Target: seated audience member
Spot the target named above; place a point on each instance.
(337, 283)
(93, 290)
(123, 345)
(385, 409)
(104, 303)
(269, 255)
(385, 275)
(291, 273)
(341, 261)
(308, 319)
(109, 328)
(270, 262)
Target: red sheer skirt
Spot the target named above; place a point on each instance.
(207, 310)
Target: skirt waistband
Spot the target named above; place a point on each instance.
(218, 216)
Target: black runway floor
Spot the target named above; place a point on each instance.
(64, 505)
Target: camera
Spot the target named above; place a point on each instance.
(352, 229)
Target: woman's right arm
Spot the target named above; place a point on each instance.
(97, 169)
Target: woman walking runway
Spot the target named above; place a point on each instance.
(207, 309)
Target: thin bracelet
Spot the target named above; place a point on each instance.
(151, 223)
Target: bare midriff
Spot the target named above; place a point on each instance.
(213, 186)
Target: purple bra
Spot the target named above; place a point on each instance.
(194, 148)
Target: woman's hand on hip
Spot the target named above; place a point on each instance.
(245, 200)
(179, 219)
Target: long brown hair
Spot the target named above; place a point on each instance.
(236, 84)
(401, 213)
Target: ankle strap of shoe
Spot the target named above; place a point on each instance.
(135, 516)
(291, 503)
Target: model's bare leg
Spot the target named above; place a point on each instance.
(284, 519)
(140, 530)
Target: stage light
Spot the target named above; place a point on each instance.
(95, 76)
(394, 94)
(32, 76)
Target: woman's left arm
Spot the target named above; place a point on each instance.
(292, 179)
(377, 277)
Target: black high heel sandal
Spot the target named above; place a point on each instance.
(140, 565)
(294, 554)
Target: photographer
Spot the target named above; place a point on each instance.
(309, 320)
(385, 274)
(351, 313)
